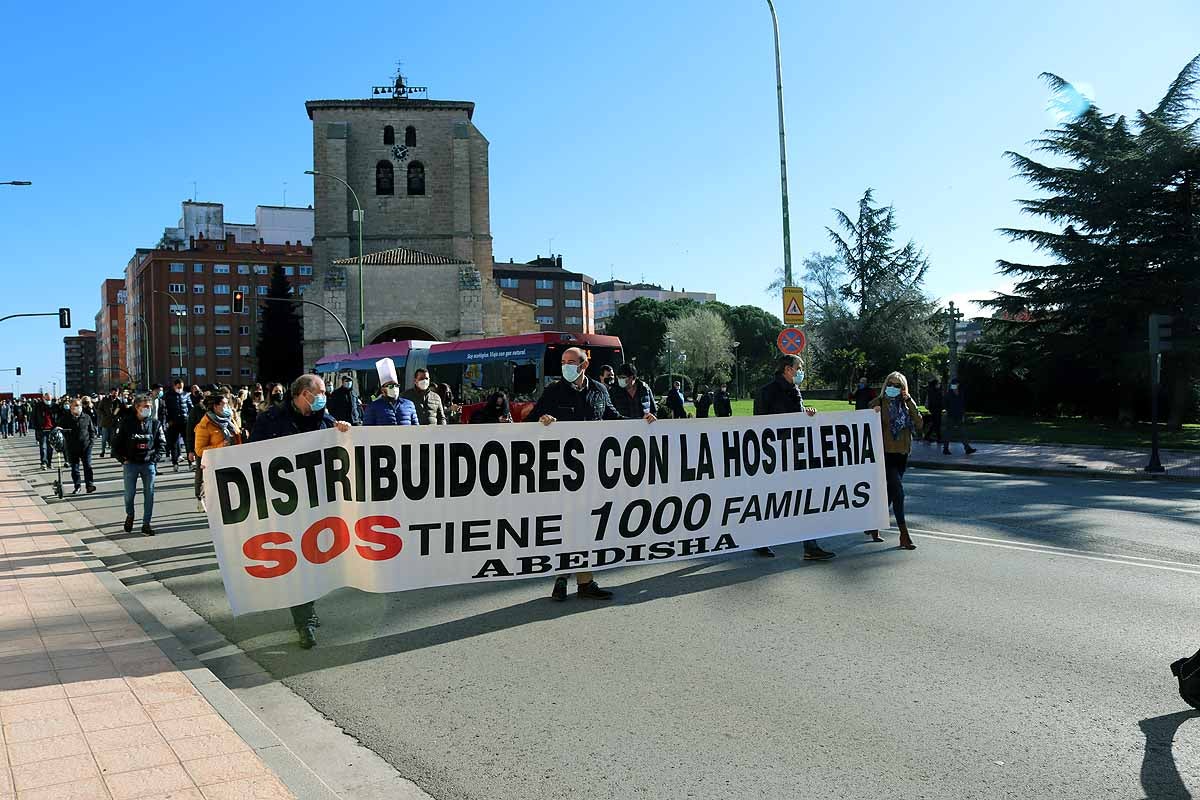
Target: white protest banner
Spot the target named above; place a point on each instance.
(395, 508)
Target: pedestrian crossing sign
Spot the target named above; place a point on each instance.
(793, 305)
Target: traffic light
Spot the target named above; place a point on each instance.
(239, 302)
(1160, 333)
(64, 318)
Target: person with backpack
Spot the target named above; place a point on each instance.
(137, 445)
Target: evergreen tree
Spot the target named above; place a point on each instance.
(280, 334)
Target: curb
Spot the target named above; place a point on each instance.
(1081, 472)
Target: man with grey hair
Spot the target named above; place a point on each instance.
(577, 398)
(782, 396)
(304, 413)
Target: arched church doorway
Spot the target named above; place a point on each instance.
(402, 332)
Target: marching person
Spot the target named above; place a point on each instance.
(80, 434)
(722, 406)
(496, 410)
(178, 406)
(576, 398)
(217, 428)
(45, 419)
(110, 412)
(343, 402)
(304, 413)
(900, 420)
(782, 396)
(608, 378)
(250, 412)
(704, 402)
(935, 403)
(6, 417)
(430, 410)
(632, 397)
(389, 408)
(862, 396)
(675, 401)
(137, 444)
(956, 415)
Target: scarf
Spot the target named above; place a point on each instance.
(224, 424)
(899, 417)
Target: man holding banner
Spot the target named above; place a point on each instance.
(577, 398)
(303, 414)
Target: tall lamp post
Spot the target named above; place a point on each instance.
(737, 375)
(362, 320)
(787, 225)
(670, 363)
(180, 311)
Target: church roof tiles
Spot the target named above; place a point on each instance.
(400, 256)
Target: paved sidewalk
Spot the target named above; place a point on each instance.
(91, 708)
(1056, 459)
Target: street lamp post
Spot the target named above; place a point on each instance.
(180, 312)
(670, 363)
(349, 347)
(737, 375)
(362, 320)
(787, 225)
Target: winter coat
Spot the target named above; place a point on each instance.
(862, 397)
(285, 420)
(195, 414)
(675, 403)
(721, 405)
(343, 404)
(138, 441)
(207, 436)
(902, 443)
(956, 404)
(563, 401)
(780, 396)
(430, 409)
(45, 416)
(386, 411)
(110, 411)
(79, 432)
(177, 405)
(703, 403)
(638, 406)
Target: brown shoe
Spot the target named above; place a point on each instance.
(874, 536)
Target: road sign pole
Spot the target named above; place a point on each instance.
(1155, 465)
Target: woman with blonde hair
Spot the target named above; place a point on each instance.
(901, 421)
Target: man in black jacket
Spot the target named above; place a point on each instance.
(343, 402)
(177, 404)
(110, 408)
(79, 434)
(632, 397)
(576, 398)
(137, 445)
(722, 406)
(782, 396)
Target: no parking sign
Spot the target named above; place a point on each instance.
(791, 341)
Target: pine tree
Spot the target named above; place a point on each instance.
(281, 335)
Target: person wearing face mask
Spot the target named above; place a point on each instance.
(304, 413)
(608, 378)
(722, 406)
(577, 398)
(675, 401)
(137, 445)
(45, 419)
(956, 416)
(390, 408)
(782, 396)
(250, 412)
(430, 409)
(862, 395)
(80, 434)
(900, 420)
(632, 398)
(343, 402)
(495, 410)
(217, 428)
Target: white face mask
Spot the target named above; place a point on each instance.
(623, 383)
(570, 372)
(423, 384)
(392, 391)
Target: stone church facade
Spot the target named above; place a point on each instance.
(420, 171)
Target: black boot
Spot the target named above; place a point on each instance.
(560, 589)
(308, 636)
(592, 591)
(129, 524)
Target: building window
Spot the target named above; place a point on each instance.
(221, 288)
(220, 269)
(178, 268)
(244, 350)
(416, 178)
(389, 134)
(544, 320)
(197, 268)
(243, 330)
(221, 330)
(220, 246)
(223, 350)
(224, 372)
(262, 269)
(573, 320)
(178, 308)
(542, 283)
(198, 309)
(385, 180)
(306, 270)
(410, 136)
(243, 269)
(245, 372)
(260, 289)
(510, 283)
(199, 330)
(201, 350)
(173, 288)
(197, 288)
(573, 286)
(545, 302)
(220, 309)
(289, 271)
(176, 371)
(177, 329)
(201, 372)
(244, 289)
(573, 303)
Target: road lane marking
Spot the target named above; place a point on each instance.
(1054, 547)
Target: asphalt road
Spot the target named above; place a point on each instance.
(1021, 651)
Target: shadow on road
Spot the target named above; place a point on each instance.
(1159, 775)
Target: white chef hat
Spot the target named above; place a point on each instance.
(386, 368)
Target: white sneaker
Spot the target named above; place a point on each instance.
(200, 506)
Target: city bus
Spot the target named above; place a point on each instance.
(521, 366)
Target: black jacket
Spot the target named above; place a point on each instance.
(138, 441)
(636, 407)
(780, 396)
(564, 402)
(343, 405)
(703, 403)
(285, 420)
(934, 400)
(177, 405)
(862, 397)
(44, 417)
(80, 433)
(721, 405)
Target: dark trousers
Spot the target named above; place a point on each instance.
(304, 614)
(176, 439)
(894, 465)
(933, 433)
(83, 458)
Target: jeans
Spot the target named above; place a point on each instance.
(44, 449)
(84, 458)
(105, 435)
(304, 614)
(894, 465)
(147, 473)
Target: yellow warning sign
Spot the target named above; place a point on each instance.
(793, 305)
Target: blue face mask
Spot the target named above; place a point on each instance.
(318, 403)
(225, 413)
(570, 372)
(892, 391)
(798, 378)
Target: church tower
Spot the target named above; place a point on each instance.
(419, 169)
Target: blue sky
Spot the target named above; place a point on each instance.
(639, 137)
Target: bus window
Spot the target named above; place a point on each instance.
(525, 382)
